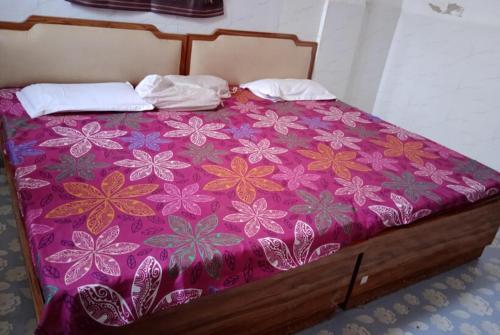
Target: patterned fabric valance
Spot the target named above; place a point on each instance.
(192, 8)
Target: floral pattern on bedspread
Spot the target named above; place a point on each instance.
(132, 213)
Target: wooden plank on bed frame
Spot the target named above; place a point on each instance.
(405, 255)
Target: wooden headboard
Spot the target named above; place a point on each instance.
(67, 50)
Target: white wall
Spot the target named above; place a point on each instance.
(290, 16)
(442, 77)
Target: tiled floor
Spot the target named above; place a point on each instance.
(465, 300)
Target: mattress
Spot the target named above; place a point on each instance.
(128, 214)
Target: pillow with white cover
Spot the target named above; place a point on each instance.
(164, 93)
(219, 85)
(44, 99)
(288, 89)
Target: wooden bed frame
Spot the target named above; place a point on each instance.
(293, 300)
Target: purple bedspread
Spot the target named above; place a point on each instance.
(132, 213)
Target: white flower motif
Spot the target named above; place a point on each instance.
(81, 141)
(101, 250)
(475, 304)
(23, 182)
(8, 303)
(361, 192)
(430, 170)
(258, 151)
(474, 190)
(401, 309)
(455, 283)
(411, 299)
(430, 308)
(247, 107)
(337, 139)
(385, 316)
(436, 298)
(17, 273)
(490, 327)
(404, 215)
(68, 120)
(467, 278)
(296, 177)
(492, 269)
(401, 133)
(365, 319)
(160, 164)
(108, 307)
(475, 270)
(196, 130)
(354, 329)
(164, 115)
(468, 329)
(347, 118)
(460, 314)
(485, 291)
(440, 286)
(279, 123)
(419, 325)
(442, 323)
(279, 256)
(255, 216)
(396, 331)
(5, 326)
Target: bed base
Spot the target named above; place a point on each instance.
(291, 301)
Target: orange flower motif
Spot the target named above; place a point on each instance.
(411, 149)
(245, 180)
(101, 203)
(340, 162)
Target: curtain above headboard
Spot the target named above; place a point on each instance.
(192, 8)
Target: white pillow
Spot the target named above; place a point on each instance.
(163, 93)
(217, 84)
(43, 99)
(288, 89)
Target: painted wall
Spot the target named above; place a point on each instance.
(442, 76)
(290, 16)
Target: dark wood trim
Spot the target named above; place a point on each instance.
(35, 19)
(33, 281)
(220, 32)
(402, 256)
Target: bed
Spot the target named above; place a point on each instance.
(257, 218)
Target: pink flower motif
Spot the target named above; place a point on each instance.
(440, 150)
(164, 115)
(160, 164)
(347, 118)
(377, 161)
(430, 170)
(248, 107)
(101, 250)
(258, 151)
(196, 130)
(28, 183)
(255, 216)
(81, 141)
(36, 229)
(296, 177)
(271, 119)
(15, 109)
(311, 104)
(337, 139)
(175, 199)
(474, 190)
(69, 120)
(401, 133)
(280, 257)
(8, 93)
(360, 191)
